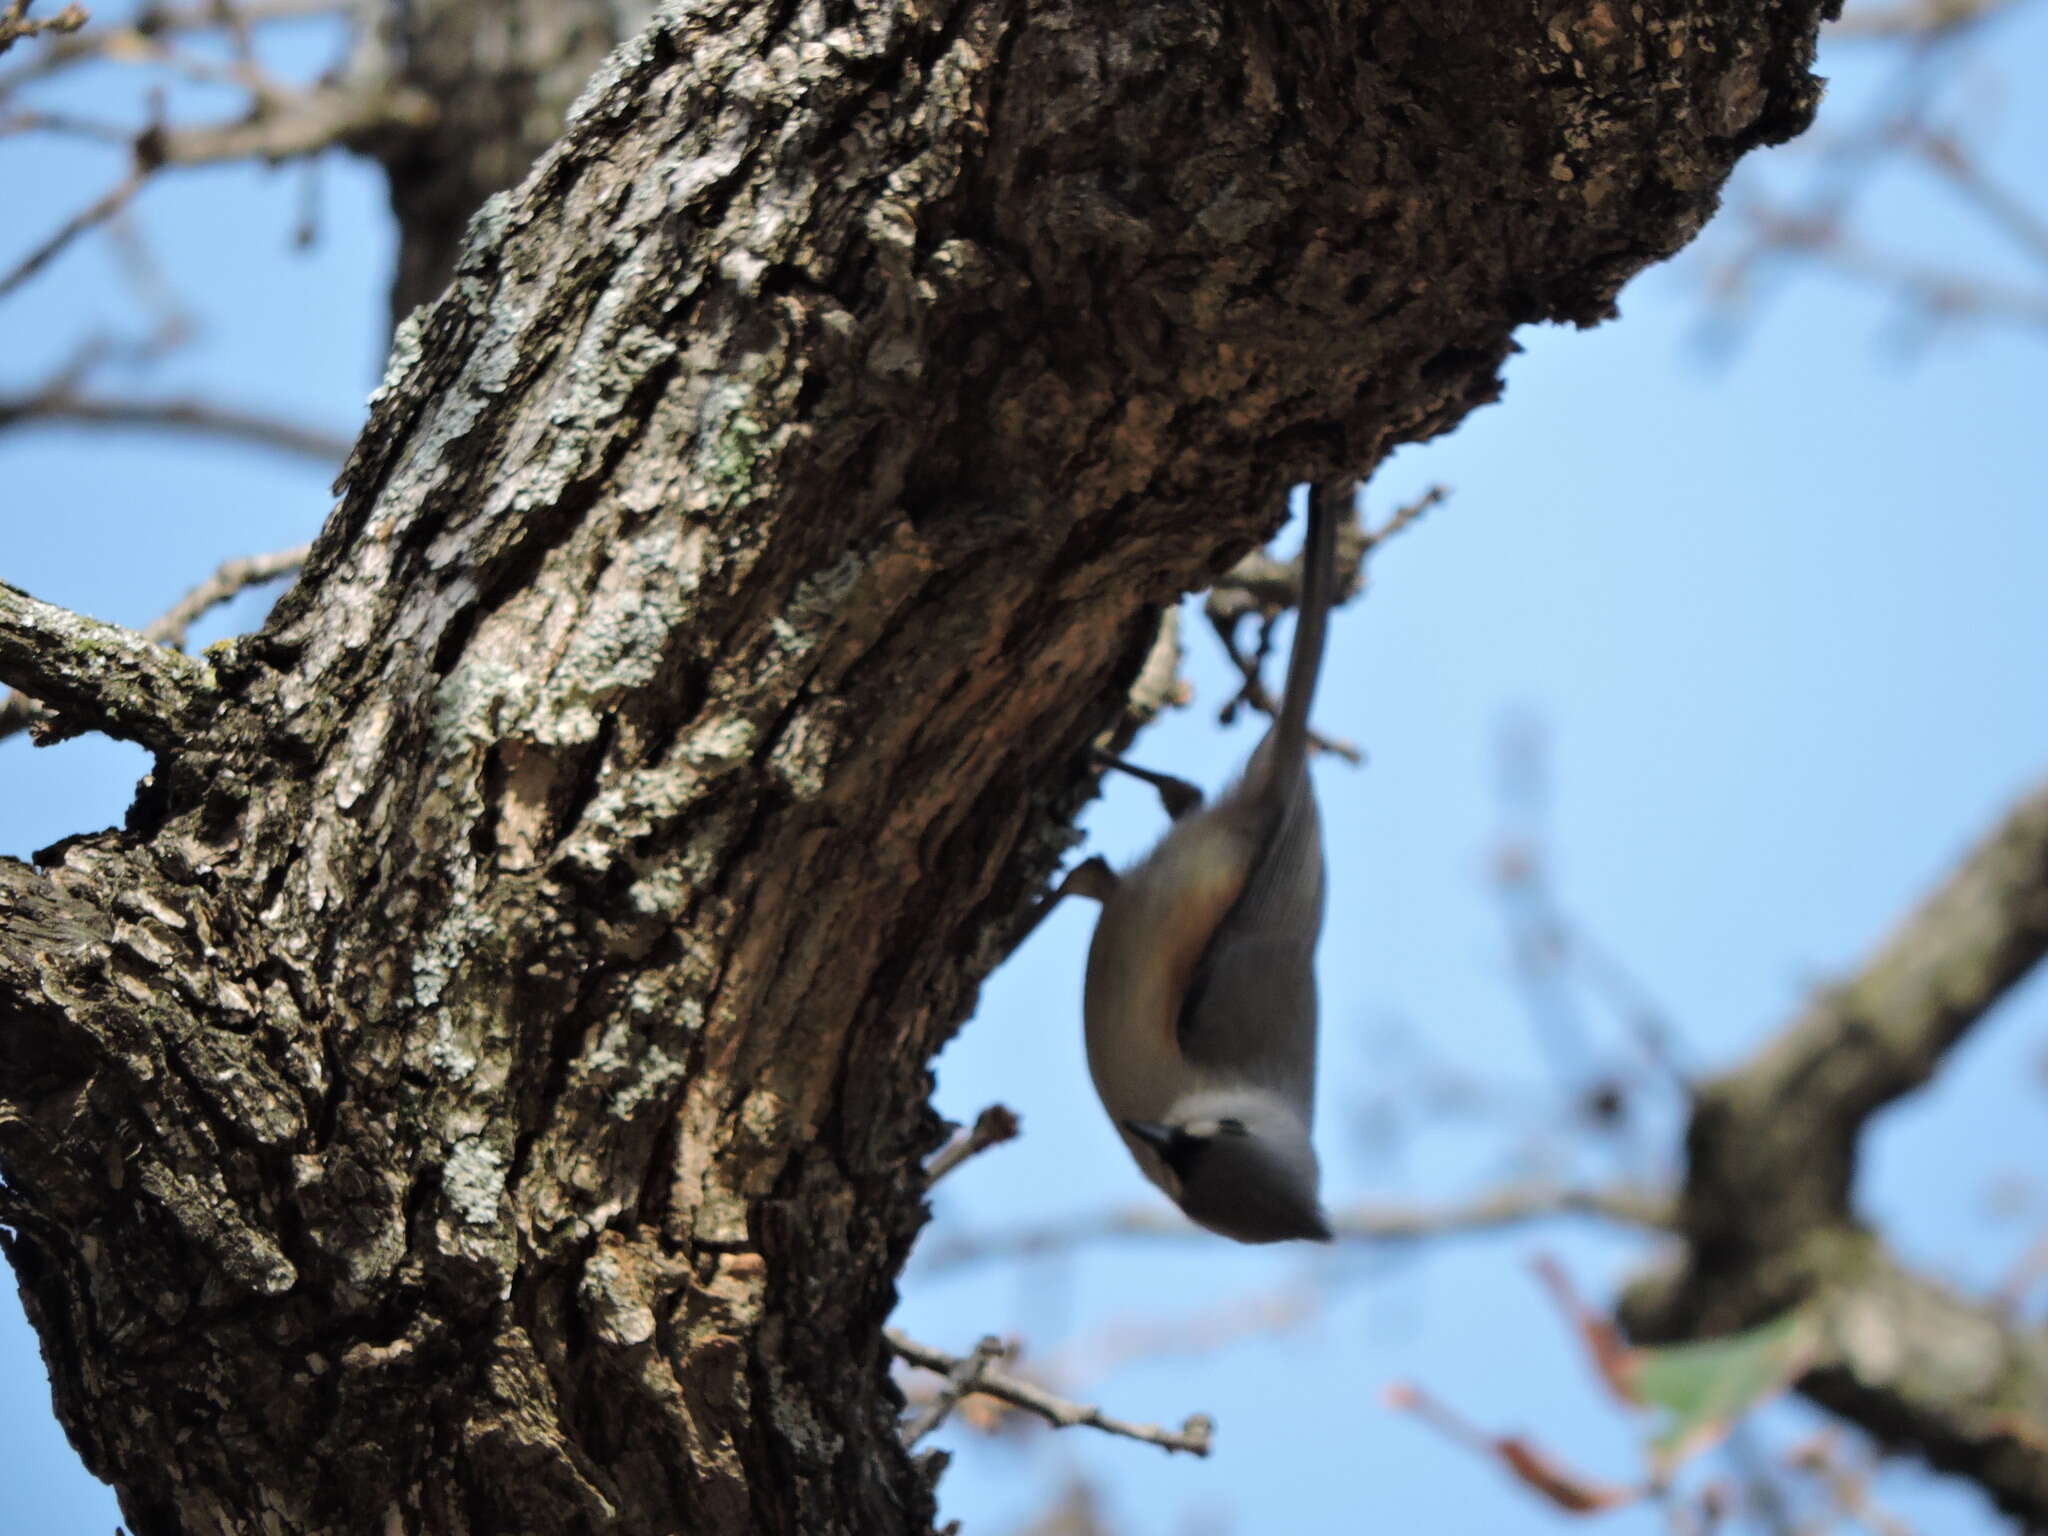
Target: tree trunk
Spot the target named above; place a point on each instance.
(483, 1089)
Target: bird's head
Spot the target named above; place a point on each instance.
(1239, 1163)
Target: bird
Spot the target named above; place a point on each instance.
(1199, 1003)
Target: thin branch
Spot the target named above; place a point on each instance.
(237, 25)
(97, 212)
(1918, 19)
(965, 1377)
(1262, 587)
(1999, 205)
(68, 125)
(283, 123)
(1846, 169)
(1201, 1333)
(182, 415)
(230, 579)
(1193, 1436)
(1848, 1487)
(103, 676)
(1252, 692)
(125, 42)
(15, 23)
(298, 123)
(1513, 1206)
(1941, 293)
(992, 1127)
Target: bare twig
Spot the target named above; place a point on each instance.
(992, 1127)
(1193, 1436)
(300, 123)
(236, 23)
(1940, 293)
(2000, 207)
(1261, 587)
(1152, 1336)
(1404, 518)
(15, 23)
(67, 124)
(158, 21)
(1914, 19)
(102, 208)
(1362, 1225)
(229, 580)
(282, 122)
(1252, 692)
(201, 417)
(1534, 1468)
(1557, 959)
(1849, 1487)
(963, 1378)
(1846, 168)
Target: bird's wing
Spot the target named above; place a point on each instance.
(1250, 1006)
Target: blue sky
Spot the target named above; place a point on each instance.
(1777, 611)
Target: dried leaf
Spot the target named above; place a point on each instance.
(1531, 1467)
(1613, 1356)
(1566, 1489)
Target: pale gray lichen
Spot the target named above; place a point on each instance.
(473, 1178)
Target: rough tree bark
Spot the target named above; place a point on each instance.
(482, 1089)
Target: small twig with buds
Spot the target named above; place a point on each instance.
(963, 1378)
(992, 1127)
(977, 1374)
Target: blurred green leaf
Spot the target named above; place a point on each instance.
(1706, 1386)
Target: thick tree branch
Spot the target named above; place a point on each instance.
(1772, 1144)
(100, 676)
(1953, 1381)
(231, 578)
(1767, 1215)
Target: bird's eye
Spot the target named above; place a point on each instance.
(1231, 1127)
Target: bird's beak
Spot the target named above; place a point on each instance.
(1156, 1136)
